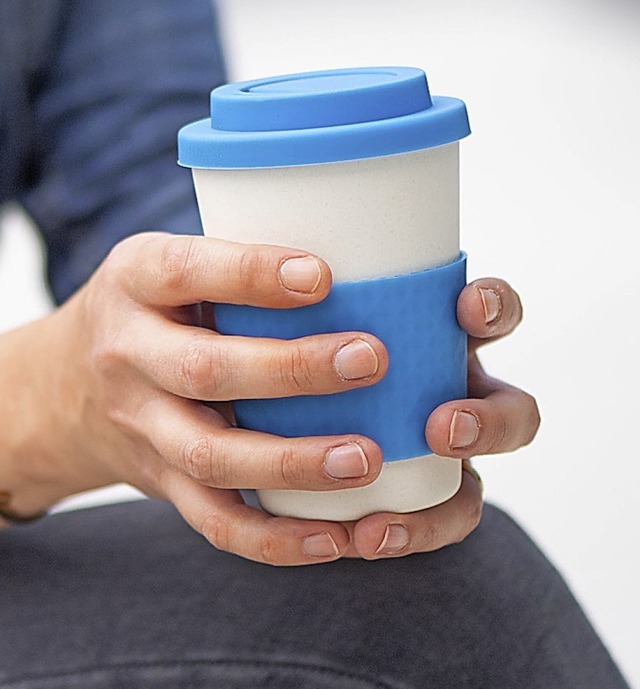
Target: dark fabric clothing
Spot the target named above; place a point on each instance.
(129, 596)
(92, 93)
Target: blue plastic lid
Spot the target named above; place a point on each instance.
(321, 117)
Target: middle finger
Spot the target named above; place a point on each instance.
(199, 364)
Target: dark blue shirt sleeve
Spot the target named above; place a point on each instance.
(124, 75)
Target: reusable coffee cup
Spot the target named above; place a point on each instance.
(360, 167)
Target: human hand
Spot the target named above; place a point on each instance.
(129, 360)
(496, 418)
(131, 366)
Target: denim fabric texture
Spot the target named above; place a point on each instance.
(129, 596)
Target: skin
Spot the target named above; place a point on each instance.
(129, 382)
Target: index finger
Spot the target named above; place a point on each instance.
(176, 270)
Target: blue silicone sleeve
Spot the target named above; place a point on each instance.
(414, 315)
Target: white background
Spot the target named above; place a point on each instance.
(550, 201)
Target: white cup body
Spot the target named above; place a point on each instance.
(369, 218)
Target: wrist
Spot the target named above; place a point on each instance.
(42, 458)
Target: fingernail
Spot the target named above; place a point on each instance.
(396, 537)
(490, 303)
(356, 360)
(320, 545)
(301, 274)
(346, 461)
(464, 430)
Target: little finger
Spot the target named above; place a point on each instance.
(223, 518)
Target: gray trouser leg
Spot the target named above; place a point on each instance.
(129, 596)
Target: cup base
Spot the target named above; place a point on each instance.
(406, 485)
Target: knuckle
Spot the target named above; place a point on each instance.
(198, 459)
(288, 469)
(123, 419)
(474, 516)
(125, 257)
(270, 549)
(109, 357)
(124, 253)
(460, 537)
(113, 373)
(201, 369)
(106, 356)
(250, 269)
(113, 272)
(194, 368)
(498, 435)
(468, 510)
(217, 531)
(177, 262)
(431, 537)
(295, 370)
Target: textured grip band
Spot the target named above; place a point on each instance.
(413, 315)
